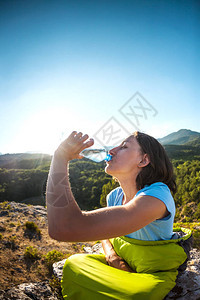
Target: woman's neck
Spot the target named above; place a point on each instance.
(129, 190)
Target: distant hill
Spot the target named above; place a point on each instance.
(24, 160)
(184, 152)
(183, 144)
(194, 143)
(181, 137)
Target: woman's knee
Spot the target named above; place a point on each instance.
(82, 261)
(72, 261)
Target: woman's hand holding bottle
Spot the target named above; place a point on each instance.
(71, 147)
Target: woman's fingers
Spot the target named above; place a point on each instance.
(80, 141)
(74, 144)
(78, 136)
(89, 143)
(85, 137)
(72, 135)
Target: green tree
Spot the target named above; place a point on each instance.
(106, 189)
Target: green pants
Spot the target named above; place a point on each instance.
(88, 277)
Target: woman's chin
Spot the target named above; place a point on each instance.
(108, 170)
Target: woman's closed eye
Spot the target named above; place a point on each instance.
(123, 146)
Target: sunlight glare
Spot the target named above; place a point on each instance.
(44, 131)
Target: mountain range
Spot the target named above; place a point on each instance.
(181, 137)
(183, 144)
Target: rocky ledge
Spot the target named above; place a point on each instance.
(188, 282)
(27, 291)
(187, 287)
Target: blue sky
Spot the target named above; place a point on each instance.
(72, 65)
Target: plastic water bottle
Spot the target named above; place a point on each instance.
(97, 154)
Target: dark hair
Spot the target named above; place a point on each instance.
(160, 169)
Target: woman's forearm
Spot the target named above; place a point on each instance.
(61, 205)
(58, 187)
(107, 248)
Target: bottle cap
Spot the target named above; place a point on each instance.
(108, 157)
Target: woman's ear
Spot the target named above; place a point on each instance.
(145, 161)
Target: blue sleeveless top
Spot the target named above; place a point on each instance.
(161, 229)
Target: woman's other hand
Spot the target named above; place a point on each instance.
(117, 262)
(71, 147)
(113, 259)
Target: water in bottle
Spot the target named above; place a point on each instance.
(97, 154)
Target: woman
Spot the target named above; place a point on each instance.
(141, 209)
(157, 175)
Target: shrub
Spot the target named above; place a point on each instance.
(5, 205)
(195, 227)
(31, 253)
(2, 204)
(82, 247)
(32, 230)
(53, 256)
(55, 283)
(32, 226)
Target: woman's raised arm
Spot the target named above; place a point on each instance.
(66, 222)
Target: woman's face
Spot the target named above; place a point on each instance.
(125, 158)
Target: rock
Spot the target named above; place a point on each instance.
(58, 268)
(188, 283)
(27, 291)
(96, 249)
(36, 210)
(14, 294)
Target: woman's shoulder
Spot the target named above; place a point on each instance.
(161, 191)
(158, 189)
(155, 186)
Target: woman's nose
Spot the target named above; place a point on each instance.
(113, 151)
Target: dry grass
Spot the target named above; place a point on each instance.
(24, 248)
(16, 266)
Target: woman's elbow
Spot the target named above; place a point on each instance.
(53, 234)
(57, 235)
(65, 235)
